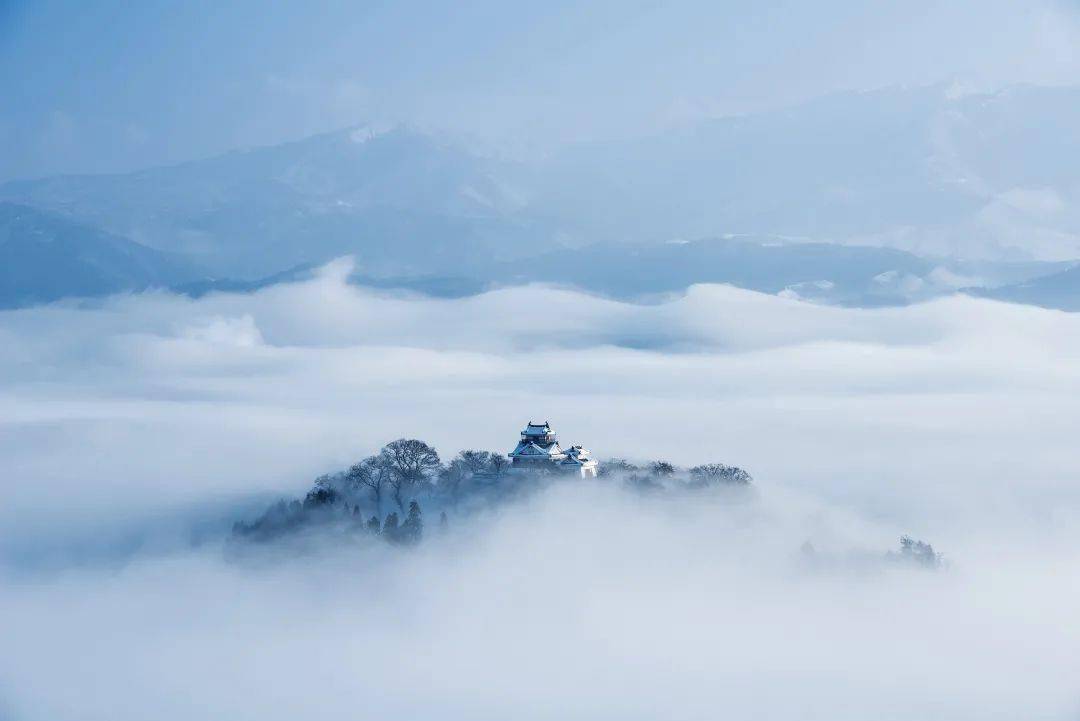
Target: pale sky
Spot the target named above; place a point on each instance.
(104, 86)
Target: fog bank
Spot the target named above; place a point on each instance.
(952, 421)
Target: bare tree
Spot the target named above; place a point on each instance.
(475, 461)
(451, 478)
(498, 463)
(411, 462)
(371, 473)
(617, 467)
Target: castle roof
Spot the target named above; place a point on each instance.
(537, 429)
(539, 448)
(530, 449)
(578, 456)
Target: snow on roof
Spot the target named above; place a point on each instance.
(535, 450)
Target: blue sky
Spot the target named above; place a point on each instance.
(104, 86)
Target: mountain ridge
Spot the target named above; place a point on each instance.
(45, 257)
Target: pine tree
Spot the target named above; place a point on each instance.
(413, 527)
(390, 527)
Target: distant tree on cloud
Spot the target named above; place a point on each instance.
(616, 466)
(714, 474)
(661, 469)
(919, 553)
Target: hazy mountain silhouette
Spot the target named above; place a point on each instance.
(45, 256)
(983, 177)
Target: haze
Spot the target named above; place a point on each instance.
(102, 87)
(830, 249)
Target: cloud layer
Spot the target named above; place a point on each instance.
(951, 420)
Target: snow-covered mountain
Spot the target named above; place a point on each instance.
(974, 187)
(397, 200)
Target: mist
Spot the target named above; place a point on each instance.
(752, 256)
(139, 427)
(166, 84)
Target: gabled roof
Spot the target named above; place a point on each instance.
(537, 429)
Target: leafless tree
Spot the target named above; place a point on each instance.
(451, 478)
(475, 461)
(411, 462)
(371, 473)
(498, 463)
(617, 467)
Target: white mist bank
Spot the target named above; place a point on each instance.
(953, 421)
(583, 605)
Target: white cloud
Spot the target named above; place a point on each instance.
(952, 420)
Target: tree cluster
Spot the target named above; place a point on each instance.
(400, 475)
(664, 475)
(382, 494)
(918, 553)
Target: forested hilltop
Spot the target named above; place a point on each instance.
(390, 496)
(392, 493)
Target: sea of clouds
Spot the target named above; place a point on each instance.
(134, 430)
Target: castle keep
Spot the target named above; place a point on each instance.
(539, 449)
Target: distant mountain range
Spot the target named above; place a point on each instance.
(400, 201)
(862, 276)
(45, 256)
(857, 198)
(1058, 290)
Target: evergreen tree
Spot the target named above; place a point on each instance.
(413, 527)
(321, 496)
(717, 474)
(919, 553)
(661, 469)
(390, 527)
(373, 524)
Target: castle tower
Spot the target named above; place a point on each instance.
(539, 449)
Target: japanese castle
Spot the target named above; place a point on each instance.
(539, 449)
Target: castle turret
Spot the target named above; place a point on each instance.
(579, 459)
(539, 449)
(538, 445)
